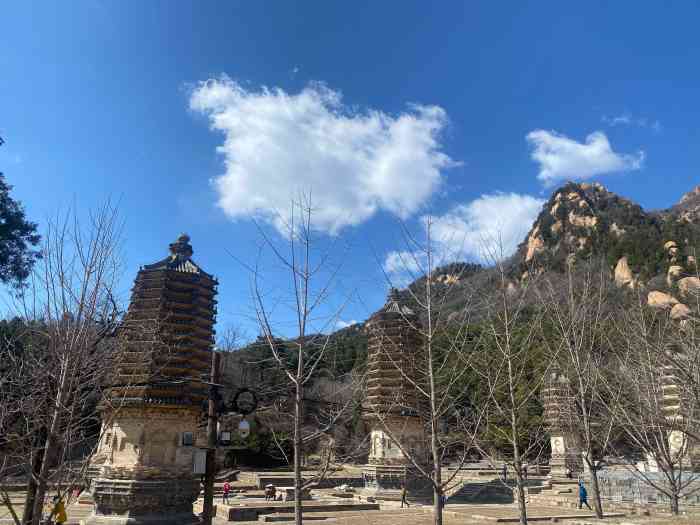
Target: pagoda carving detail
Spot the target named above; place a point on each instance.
(145, 457)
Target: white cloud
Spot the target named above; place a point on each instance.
(398, 262)
(491, 226)
(487, 228)
(354, 163)
(340, 324)
(629, 120)
(561, 158)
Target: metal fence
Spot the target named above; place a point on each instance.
(627, 488)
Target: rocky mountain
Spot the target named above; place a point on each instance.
(651, 250)
(688, 208)
(584, 220)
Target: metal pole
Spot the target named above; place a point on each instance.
(210, 472)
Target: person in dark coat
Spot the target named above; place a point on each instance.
(403, 496)
(582, 495)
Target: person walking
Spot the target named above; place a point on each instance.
(59, 511)
(403, 496)
(582, 495)
(227, 491)
(504, 473)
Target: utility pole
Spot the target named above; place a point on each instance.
(212, 438)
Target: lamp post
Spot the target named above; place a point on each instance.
(244, 402)
(212, 425)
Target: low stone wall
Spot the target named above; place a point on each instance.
(325, 483)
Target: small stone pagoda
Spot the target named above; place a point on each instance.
(392, 406)
(559, 419)
(145, 457)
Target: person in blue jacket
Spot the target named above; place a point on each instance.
(582, 495)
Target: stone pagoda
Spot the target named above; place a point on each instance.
(144, 461)
(560, 421)
(392, 406)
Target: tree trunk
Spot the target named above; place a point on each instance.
(51, 443)
(597, 502)
(8, 504)
(437, 504)
(675, 506)
(298, 519)
(517, 460)
(520, 493)
(517, 464)
(37, 457)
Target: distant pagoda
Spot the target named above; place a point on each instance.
(560, 420)
(392, 405)
(146, 453)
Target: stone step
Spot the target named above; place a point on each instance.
(553, 517)
(255, 511)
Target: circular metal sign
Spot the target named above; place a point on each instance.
(245, 402)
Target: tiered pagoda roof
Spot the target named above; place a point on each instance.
(558, 402)
(168, 331)
(393, 360)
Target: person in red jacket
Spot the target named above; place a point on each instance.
(227, 491)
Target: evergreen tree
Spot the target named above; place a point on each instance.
(18, 238)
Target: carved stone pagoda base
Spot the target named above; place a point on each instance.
(565, 456)
(144, 502)
(385, 482)
(143, 467)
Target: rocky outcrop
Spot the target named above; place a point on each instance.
(657, 299)
(691, 195)
(447, 279)
(535, 244)
(582, 221)
(688, 208)
(623, 274)
(671, 249)
(616, 230)
(689, 286)
(674, 273)
(679, 312)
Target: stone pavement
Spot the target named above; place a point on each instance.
(455, 514)
(76, 512)
(464, 514)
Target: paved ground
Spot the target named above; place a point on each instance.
(76, 512)
(455, 514)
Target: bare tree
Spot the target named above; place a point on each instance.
(654, 411)
(512, 368)
(56, 378)
(435, 374)
(578, 317)
(301, 357)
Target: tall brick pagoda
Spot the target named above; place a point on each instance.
(392, 406)
(560, 420)
(145, 457)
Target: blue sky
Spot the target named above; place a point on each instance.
(385, 111)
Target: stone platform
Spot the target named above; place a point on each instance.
(254, 510)
(142, 502)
